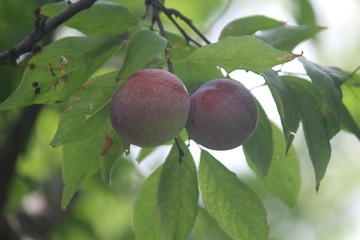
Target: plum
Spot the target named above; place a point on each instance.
(150, 108)
(223, 114)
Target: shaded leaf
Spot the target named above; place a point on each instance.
(283, 177)
(328, 81)
(193, 75)
(249, 25)
(146, 219)
(60, 68)
(286, 104)
(244, 52)
(178, 193)
(287, 37)
(314, 125)
(87, 110)
(259, 148)
(237, 209)
(103, 18)
(143, 47)
(80, 161)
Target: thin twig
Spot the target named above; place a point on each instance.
(10, 56)
(169, 12)
(354, 72)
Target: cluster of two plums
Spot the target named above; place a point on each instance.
(153, 106)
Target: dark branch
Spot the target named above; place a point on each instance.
(10, 56)
(16, 141)
(170, 13)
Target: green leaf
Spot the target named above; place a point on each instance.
(144, 152)
(193, 75)
(178, 193)
(114, 148)
(304, 12)
(87, 110)
(143, 47)
(283, 178)
(328, 81)
(103, 18)
(287, 37)
(249, 25)
(207, 228)
(314, 125)
(348, 122)
(351, 92)
(260, 146)
(146, 219)
(286, 104)
(80, 161)
(237, 209)
(245, 52)
(60, 68)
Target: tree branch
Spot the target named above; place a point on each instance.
(10, 56)
(17, 138)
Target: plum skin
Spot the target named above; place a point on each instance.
(150, 108)
(223, 114)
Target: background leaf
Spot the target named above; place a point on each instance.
(283, 176)
(328, 81)
(287, 37)
(245, 52)
(314, 125)
(304, 12)
(237, 209)
(286, 105)
(259, 148)
(103, 18)
(178, 194)
(146, 219)
(87, 110)
(249, 25)
(143, 47)
(60, 68)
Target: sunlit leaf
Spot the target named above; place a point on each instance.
(102, 18)
(351, 92)
(286, 104)
(236, 208)
(193, 75)
(245, 52)
(207, 228)
(80, 161)
(178, 193)
(287, 37)
(146, 219)
(259, 148)
(87, 110)
(249, 25)
(314, 125)
(60, 68)
(143, 47)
